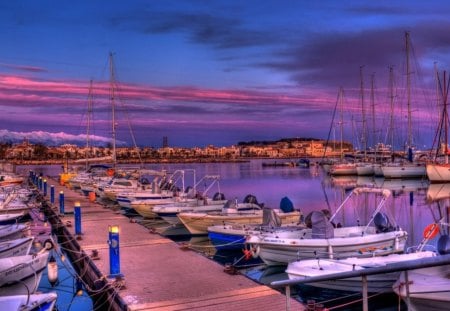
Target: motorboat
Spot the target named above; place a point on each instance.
(232, 213)
(33, 302)
(322, 239)
(303, 269)
(169, 212)
(16, 247)
(20, 275)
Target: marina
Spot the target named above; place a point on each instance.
(154, 250)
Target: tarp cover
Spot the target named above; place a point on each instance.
(286, 205)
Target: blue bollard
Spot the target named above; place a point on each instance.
(52, 194)
(77, 214)
(45, 187)
(40, 183)
(61, 202)
(114, 253)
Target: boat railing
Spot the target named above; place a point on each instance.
(403, 266)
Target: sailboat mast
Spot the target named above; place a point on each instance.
(113, 108)
(89, 115)
(445, 117)
(408, 90)
(391, 89)
(341, 99)
(364, 125)
(372, 100)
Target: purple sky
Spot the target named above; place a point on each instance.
(217, 72)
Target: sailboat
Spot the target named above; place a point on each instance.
(410, 168)
(342, 167)
(440, 172)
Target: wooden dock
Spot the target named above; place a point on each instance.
(158, 274)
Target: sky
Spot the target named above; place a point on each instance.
(220, 72)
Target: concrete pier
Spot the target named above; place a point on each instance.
(158, 274)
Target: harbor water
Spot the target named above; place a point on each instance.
(411, 206)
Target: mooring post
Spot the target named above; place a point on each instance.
(114, 252)
(77, 214)
(61, 202)
(288, 298)
(365, 293)
(45, 187)
(40, 183)
(52, 194)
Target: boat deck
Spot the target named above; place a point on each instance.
(158, 274)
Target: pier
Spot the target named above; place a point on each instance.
(157, 273)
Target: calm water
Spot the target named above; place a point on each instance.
(309, 189)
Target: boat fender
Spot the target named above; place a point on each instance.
(443, 245)
(48, 244)
(255, 250)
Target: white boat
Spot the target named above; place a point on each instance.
(404, 170)
(340, 169)
(365, 169)
(235, 213)
(16, 247)
(34, 302)
(21, 275)
(326, 241)
(15, 231)
(427, 289)
(7, 179)
(377, 283)
(169, 212)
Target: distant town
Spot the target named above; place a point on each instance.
(27, 153)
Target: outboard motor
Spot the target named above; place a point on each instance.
(218, 196)
(286, 205)
(229, 204)
(270, 218)
(443, 245)
(382, 223)
(250, 198)
(321, 226)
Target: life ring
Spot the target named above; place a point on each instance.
(431, 231)
(254, 250)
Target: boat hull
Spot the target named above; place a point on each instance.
(438, 172)
(279, 250)
(198, 223)
(429, 288)
(406, 170)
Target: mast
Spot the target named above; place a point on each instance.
(372, 100)
(445, 117)
(341, 102)
(89, 115)
(408, 90)
(391, 121)
(113, 108)
(364, 125)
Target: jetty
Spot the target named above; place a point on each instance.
(155, 272)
